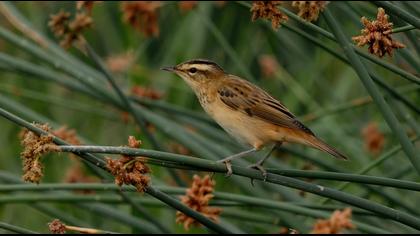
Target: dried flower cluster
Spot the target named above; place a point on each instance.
(70, 32)
(120, 63)
(374, 139)
(57, 227)
(269, 65)
(34, 147)
(197, 197)
(130, 170)
(268, 10)
(187, 5)
(143, 16)
(146, 92)
(338, 221)
(377, 34)
(309, 10)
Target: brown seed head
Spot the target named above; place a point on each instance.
(268, 10)
(197, 197)
(130, 170)
(143, 16)
(338, 221)
(34, 147)
(377, 34)
(57, 227)
(309, 10)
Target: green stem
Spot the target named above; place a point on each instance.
(138, 207)
(254, 174)
(373, 91)
(127, 104)
(255, 202)
(401, 13)
(354, 178)
(403, 29)
(16, 229)
(330, 36)
(101, 163)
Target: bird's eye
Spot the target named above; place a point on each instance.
(193, 70)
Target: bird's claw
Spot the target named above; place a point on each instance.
(228, 167)
(259, 167)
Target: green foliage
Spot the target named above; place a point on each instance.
(333, 86)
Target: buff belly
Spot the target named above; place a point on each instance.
(244, 128)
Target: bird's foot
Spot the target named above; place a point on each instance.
(228, 167)
(258, 166)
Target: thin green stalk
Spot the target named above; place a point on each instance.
(185, 209)
(373, 91)
(138, 207)
(388, 182)
(401, 13)
(16, 229)
(372, 165)
(403, 29)
(172, 109)
(140, 119)
(127, 104)
(112, 213)
(229, 50)
(252, 201)
(368, 56)
(254, 174)
(101, 163)
(376, 78)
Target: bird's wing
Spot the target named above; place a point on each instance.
(249, 99)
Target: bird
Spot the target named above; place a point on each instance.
(245, 111)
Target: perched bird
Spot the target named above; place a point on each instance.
(245, 111)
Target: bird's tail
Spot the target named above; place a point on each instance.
(321, 145)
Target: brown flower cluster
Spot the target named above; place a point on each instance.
(146, 92)
(309, 10)
(269, 65)
(187, 5)
(130, 170)
(338, 221)
(70, 32)
(374, 139)
(377, 34)
(268, 10)
(34, 147)
(197, 197)
(57, 227)
(143, 16)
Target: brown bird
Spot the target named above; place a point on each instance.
(245, 111)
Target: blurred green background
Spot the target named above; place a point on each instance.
(307, 79)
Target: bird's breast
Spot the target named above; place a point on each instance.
(244, 128)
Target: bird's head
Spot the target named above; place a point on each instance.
(197, 72)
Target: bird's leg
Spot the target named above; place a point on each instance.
(228, 159)
(260, 163)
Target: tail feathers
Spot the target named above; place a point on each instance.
(321, 145)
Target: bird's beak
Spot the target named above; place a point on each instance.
(168, 68)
